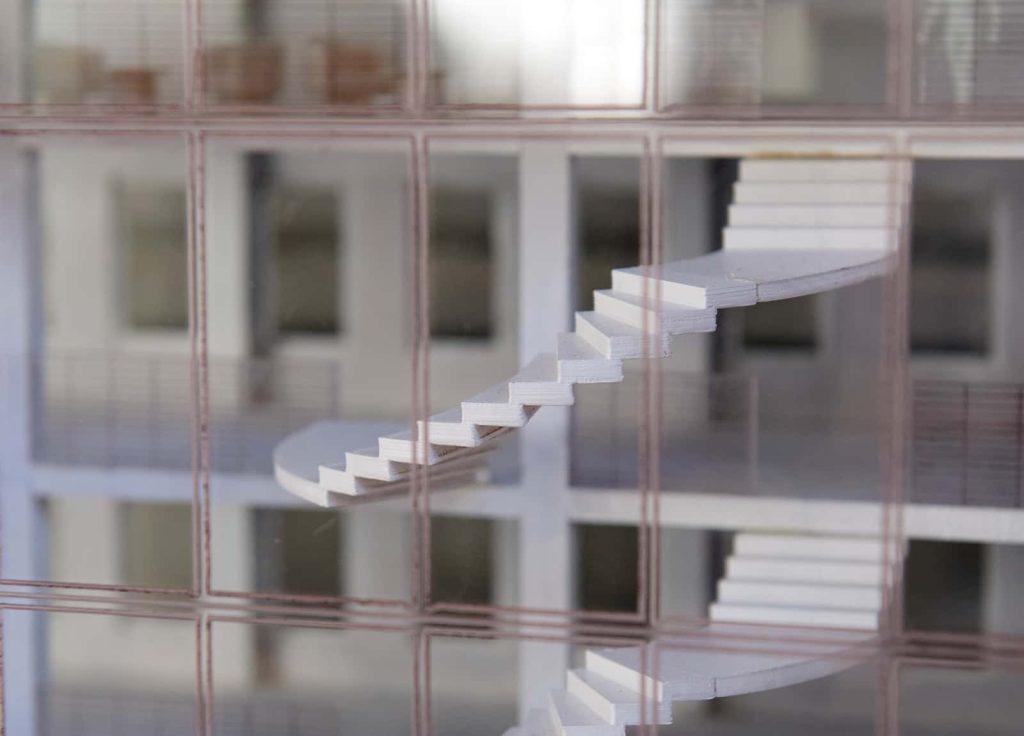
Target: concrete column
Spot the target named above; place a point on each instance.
(227, 276)
(228, 325)
(20, 522)
(81, 289)
(376, 374)
(1008, 267)
(545, 305)
(1003, 603)
(13, 27)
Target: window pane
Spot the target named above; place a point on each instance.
(560, 52)
(787, 324)
(947, 602)
(950, 258)
(969, 52)
(156, 544)
(969, 700)
(111, 388)
(461, 263)
(607, 569)
(115, 51)
(607, 200)
(306, 260)
(151, 225)
(462, 560)
(299, 551)
(91, 673)
(774, 52)
(309, 681)
(288, 54)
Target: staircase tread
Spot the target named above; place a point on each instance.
(573, 346)
(542, 369)
(651, 303)
(538, 723)
(581, 362)
(538, 384)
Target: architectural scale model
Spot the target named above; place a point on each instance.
(520, 368)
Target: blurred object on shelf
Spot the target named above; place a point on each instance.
(346, 73)
(66, 74)
(244, 73)
(133, 85)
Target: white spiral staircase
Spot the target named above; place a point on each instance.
(797, 226)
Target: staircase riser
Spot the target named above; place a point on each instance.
(802, 572)
(494, 416)
(811, 216)
(816, 548)
(816, 170)
(541, 394)
(570, 371)
(811, 193)
(866, 598)
(464, 435)
(808, 239)
(793, 617)
(651, 319)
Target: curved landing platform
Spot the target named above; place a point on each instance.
(604, 696)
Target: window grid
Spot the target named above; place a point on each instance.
(413, 616)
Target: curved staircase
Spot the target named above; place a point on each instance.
(796, 227)
(777, 581)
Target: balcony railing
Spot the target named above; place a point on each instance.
(117, 411)
(735, 435)
(968, 443)
(726, 434)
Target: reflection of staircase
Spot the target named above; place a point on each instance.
(782, 579)
(796, 227)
